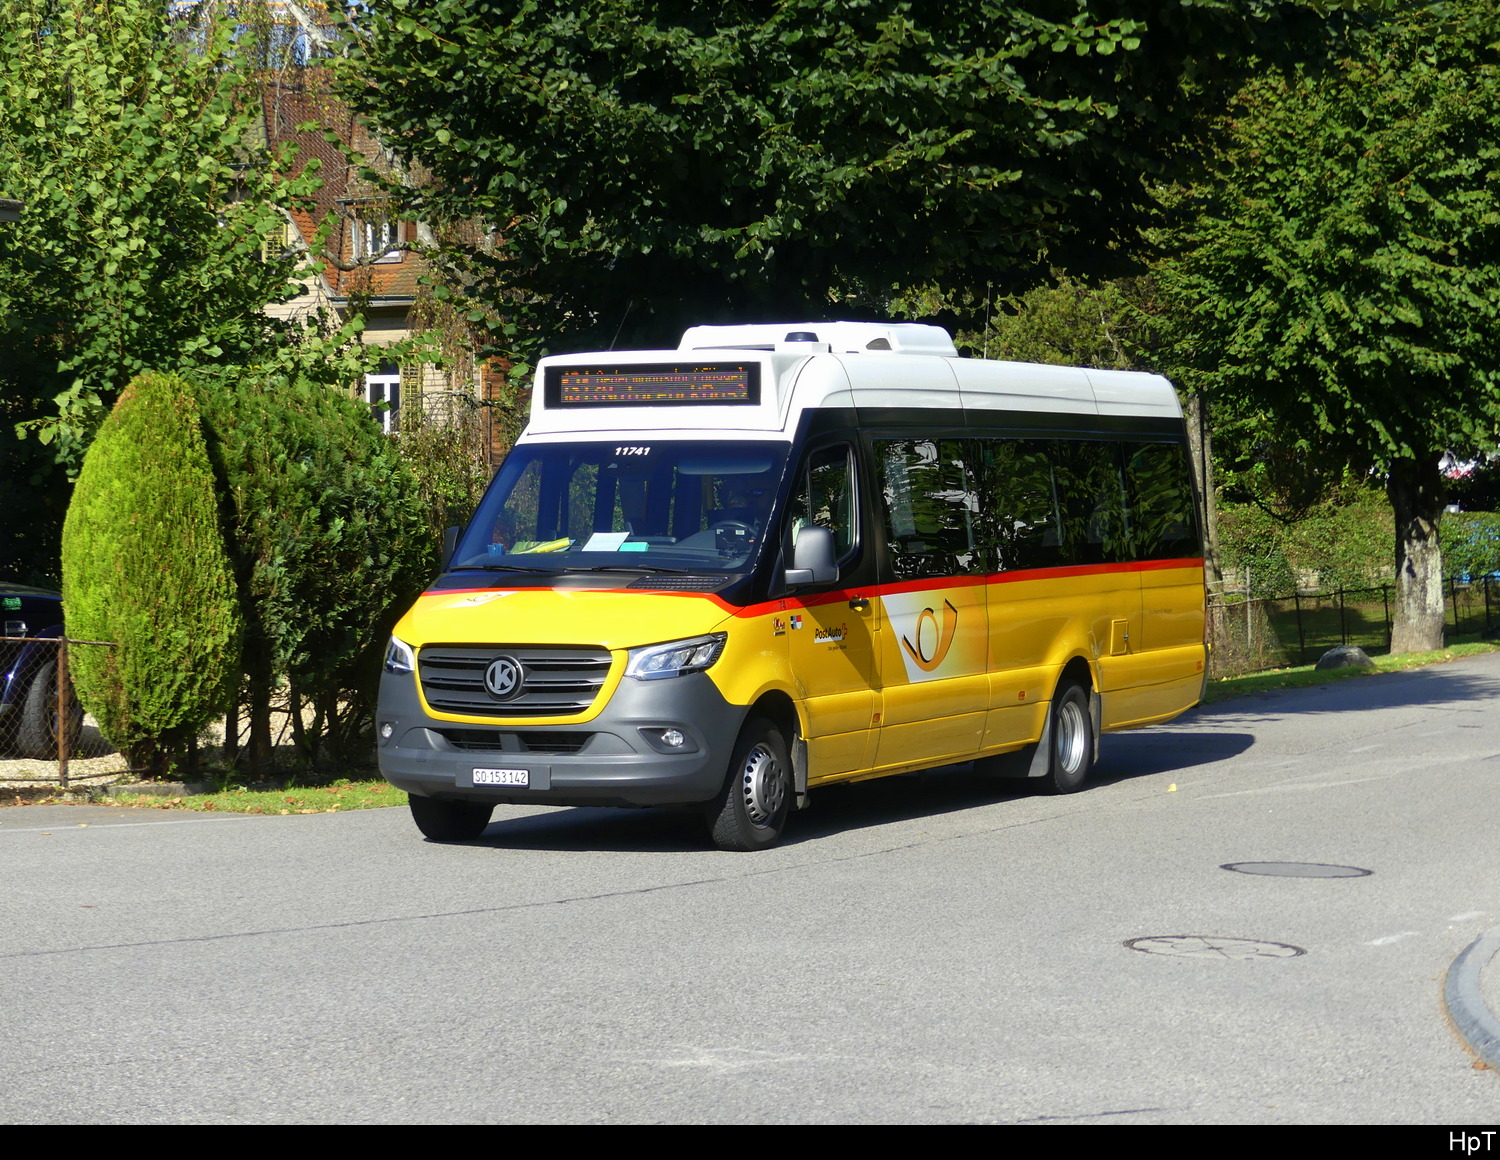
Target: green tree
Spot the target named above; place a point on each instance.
(327, 532)
(144, 566)
(642, 165)
(1336, 278)
(1070, 321)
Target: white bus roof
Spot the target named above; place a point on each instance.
(803, 366)
(838, 337)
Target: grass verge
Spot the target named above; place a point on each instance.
(342, 795)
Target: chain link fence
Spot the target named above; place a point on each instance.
(45, 737)
(1250, 633)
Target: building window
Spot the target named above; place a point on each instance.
(383, 393)
(275, 244)
(373, 238)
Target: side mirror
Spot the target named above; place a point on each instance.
(812, 557)
(450, 544)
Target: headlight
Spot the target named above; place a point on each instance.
(398, 657)
(673, 660)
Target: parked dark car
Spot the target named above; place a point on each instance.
(28, 672)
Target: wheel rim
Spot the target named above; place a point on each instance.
(762, 786)
(1072, 737)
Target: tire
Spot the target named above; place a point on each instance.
(1072, 757)
(750, 812)
(38, 732)
(443, 820)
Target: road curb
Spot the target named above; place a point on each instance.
(1475, 1022)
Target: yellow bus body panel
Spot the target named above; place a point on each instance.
(914, 675)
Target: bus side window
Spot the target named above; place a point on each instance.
(1091, 497)
(1020, 525)
(931, 507)
(825, 496)
(1162, 518)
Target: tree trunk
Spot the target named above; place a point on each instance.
(257, 662)
(1417, 494)
(232, 732)
(1201, 451)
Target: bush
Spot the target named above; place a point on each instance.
(327, 533)
(1251, 540)
(1345, 541)
(144, 565)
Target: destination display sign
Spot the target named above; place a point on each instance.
(658, 385)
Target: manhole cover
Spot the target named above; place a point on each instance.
(1212, 946)
(1296, 870)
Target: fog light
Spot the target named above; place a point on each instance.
(672, 737)
(387, 728)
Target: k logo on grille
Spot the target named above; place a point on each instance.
(503, 678)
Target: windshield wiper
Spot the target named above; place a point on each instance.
(503, 568)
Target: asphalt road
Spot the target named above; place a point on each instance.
(935, 948)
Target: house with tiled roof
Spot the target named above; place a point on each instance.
(367, 257)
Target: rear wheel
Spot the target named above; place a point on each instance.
(1072, 756)
(449, 821)
(750, 813)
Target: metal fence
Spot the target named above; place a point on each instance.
(45, 737)
(1248, 634)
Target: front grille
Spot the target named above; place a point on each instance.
(556, 682)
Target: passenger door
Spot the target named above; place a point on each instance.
(934, 654)
(833, 629)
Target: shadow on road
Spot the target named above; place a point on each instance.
(838, 808)
(1198, 738)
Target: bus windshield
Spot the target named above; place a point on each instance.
(632, 503)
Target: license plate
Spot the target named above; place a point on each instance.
(520, 777)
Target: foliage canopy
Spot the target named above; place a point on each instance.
(150, 236)
(1336, 276)
(1339, 270)
(646, 164)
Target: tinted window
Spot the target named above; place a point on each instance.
(825, 495)
(1161, 502)
(1020, 526)
(1091, 500)
(931, 507)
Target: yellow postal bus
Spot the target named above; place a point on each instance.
(779, 557)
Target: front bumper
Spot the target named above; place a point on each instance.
(616, 759)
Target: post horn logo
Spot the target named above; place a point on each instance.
(932, 645)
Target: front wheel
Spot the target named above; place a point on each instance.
(1072, 756)
(750, 813)
(449, 821)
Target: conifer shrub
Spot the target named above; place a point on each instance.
(144, 566)
(326, 529)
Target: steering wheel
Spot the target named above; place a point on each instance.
(731, 535)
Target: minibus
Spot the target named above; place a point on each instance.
(781, 557)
